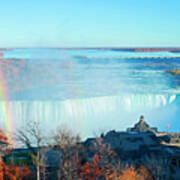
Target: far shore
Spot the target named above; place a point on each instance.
(175, 72)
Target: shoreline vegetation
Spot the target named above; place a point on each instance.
(175, 72)
(140, 153)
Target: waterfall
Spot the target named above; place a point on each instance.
(86, 113)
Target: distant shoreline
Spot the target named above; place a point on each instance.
(128, 49)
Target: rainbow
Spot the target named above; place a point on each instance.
(4, 106)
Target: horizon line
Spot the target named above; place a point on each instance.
(91, 47)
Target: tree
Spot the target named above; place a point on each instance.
(91, 171)
(130, 173)
(159, 167)
(4, 143)
(71, 152)
(32, 137)
(11, 172)
(64, 136)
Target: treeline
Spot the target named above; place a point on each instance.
(61, 155)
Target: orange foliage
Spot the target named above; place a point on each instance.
(131, 174)
(10, 172)
(91, 171)
(13, 172)
(3, 137)
(144, 172)
(102, 167)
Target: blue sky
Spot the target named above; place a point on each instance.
(89, 23)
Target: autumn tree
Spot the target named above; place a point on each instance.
(91, 171)
(4, 143)
(108, 159)
(3, 150)
(11, 172)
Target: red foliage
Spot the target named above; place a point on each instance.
(13, 172)
(10, 172)
(3, 137)
(91, 171)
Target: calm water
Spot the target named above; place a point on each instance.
(92, 90)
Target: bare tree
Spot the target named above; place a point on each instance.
(72, 153)
(64, 136)
(32, 137)
(159, 167)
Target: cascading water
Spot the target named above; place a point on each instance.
(90, 90)
(89, 114)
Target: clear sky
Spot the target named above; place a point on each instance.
(89, 23)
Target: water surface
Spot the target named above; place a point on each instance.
(92, 90)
